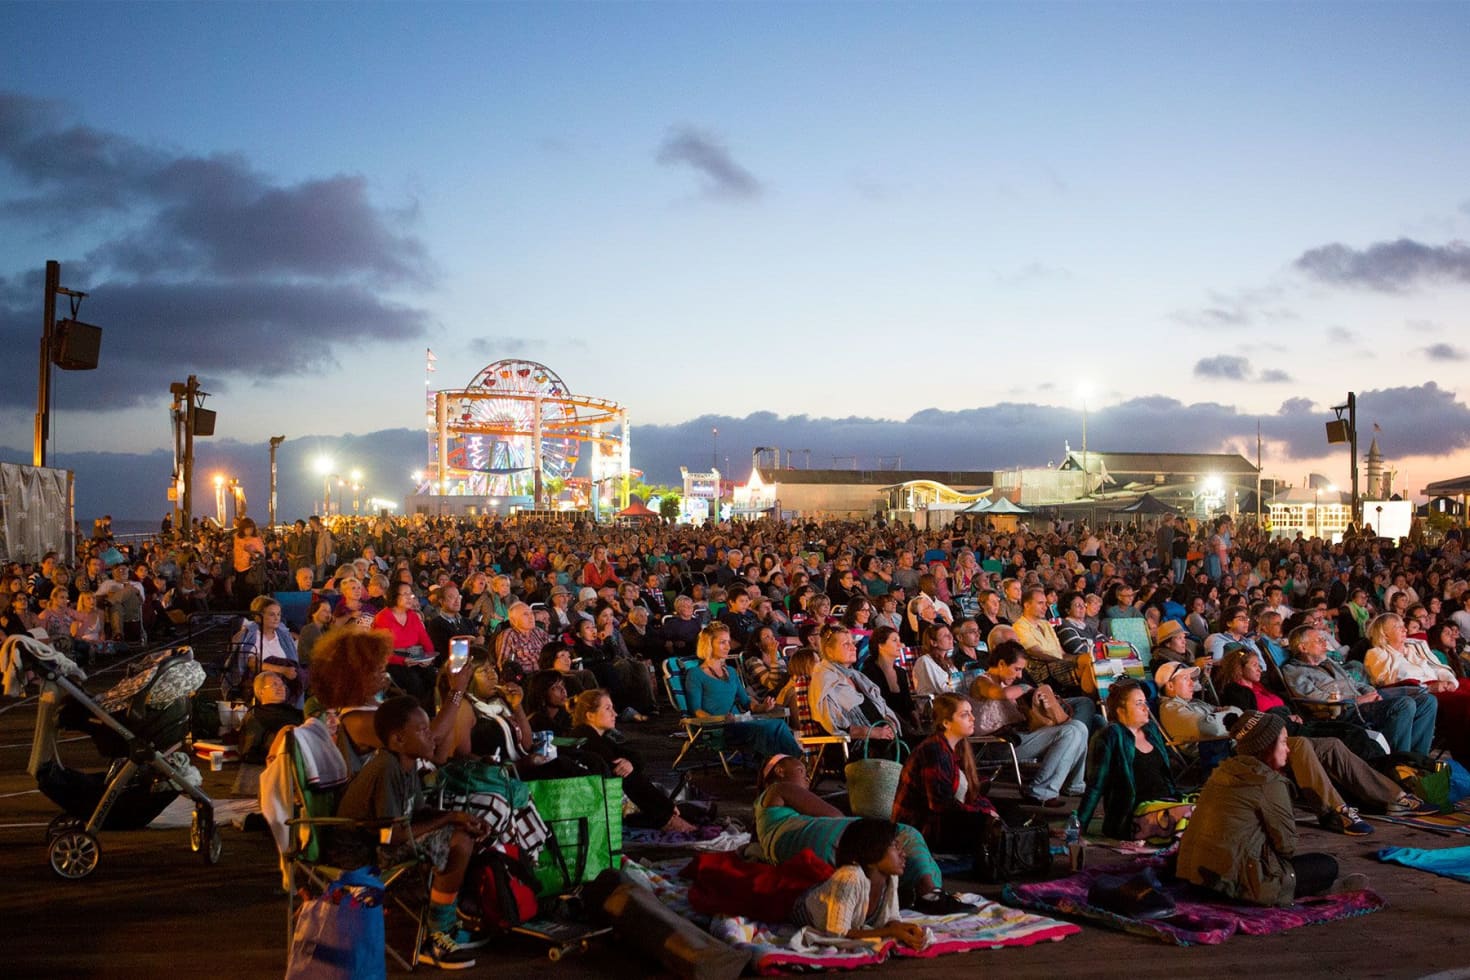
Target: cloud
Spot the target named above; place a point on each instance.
(196, 263)
(1228, 367)
(724, 177)
(1223, 366)
(1423, 326)
(1443, 352)
(1240, 308)
(1387, 266)
(498, 346)
(1341, 335)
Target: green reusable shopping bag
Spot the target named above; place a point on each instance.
(585, 815)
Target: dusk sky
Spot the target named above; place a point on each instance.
(952, 215)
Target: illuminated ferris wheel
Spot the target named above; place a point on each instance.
(516, 421)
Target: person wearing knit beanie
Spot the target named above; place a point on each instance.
(1256, 733)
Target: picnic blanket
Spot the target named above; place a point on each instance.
(779, 947)
(1201, 919)
(725, 836)
(1447, 862)
(1456, 821)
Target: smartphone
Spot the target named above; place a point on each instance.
(459, 652)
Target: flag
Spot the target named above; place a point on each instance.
(1376, 428)
(429, 360)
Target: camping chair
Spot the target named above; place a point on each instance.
(313, 809)
(1134, 631)
(704, 734)
(1191, 757)
(815, 741)
(1310, 708)
(982, 745)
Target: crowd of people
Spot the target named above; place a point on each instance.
(1281, 667)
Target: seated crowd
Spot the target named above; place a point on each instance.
(1273, 670)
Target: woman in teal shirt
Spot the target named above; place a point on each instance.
(713, 689)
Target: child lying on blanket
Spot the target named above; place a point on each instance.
(860, 900)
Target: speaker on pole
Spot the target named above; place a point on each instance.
(1337, 432)
(204, 421)
(75, 345)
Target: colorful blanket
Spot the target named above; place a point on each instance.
(778, 948)
(1200, 919)
(1457, 821)
(1448, 862)
(711, 837)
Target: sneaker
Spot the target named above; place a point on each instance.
(470, 938)
(440, 950)
(1355, 882)
(1409, 805)
(941, 903)
(1347, 822)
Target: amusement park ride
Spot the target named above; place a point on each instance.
(516, 428)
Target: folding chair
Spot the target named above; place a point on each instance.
(706, 734)
(1189, 756)
(815, 741)
(312, 811)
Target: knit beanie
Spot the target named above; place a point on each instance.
(1255, 732)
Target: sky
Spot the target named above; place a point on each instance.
(929, 230)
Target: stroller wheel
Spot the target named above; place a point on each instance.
(74, 854)
(61, 823)
(204, 836)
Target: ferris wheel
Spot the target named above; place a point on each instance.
(494, 452)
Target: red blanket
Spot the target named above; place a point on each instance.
(726, 884)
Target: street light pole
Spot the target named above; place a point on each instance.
(275, 443)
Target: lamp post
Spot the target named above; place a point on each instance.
(219, 499)
(356, 490)
(1082, 392)
(323, 467)
(275, 444)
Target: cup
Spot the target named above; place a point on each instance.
(216, 760)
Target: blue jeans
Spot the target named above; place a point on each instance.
(1062, 750)
(1181, 565)
(1405, 716)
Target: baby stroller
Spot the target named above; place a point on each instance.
(140, 724)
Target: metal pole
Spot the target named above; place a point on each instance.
(43, 383)
(536, 460)
(1352, 401)
(191, 391)
(625, 460)
(441, 420)
(275, 441)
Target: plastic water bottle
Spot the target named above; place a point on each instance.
(1074, 841)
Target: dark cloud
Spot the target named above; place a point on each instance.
(195, 264)
(1273, 376)
(1224, 366)
(724, 177)
(1387, 266)
(1443, 352)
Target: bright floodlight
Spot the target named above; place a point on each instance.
(1332, 488)
(1213, 484)
(219, 479)
(417, 475)
(357, 476)
(323, 465)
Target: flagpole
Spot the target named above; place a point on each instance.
(1258, 475)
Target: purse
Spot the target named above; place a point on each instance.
(1008, 852)
(872, 784)
(1046, 710)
